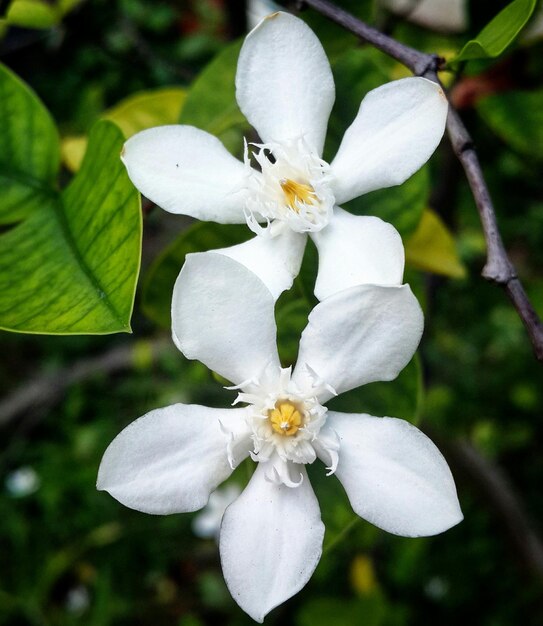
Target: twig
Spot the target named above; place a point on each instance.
(495, 488)
(46, 389)
(341, 535)
(498, 267)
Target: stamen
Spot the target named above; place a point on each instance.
(285, 418)
(296, 193)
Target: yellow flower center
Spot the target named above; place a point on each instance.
(297, 192)
(285, 418)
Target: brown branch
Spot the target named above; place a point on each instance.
(418, 62)
(47, 388)
(498, 267)
(494, 486)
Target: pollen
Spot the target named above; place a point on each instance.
(296, 193)
(285, 418)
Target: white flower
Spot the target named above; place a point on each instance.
(78, 600)
(534, 31)
(170, 460)
(285, 88)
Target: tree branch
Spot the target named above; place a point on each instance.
(47, 388)
(498, 267)
(494, 486)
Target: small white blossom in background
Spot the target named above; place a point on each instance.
(285, 88)
(172, 459)
(22, 482)
(77, 600)
(208, 523)
(436, 588)
(534, 31)
(449, 16)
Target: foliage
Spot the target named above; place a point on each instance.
(37, 13)
(517, 118)
(432, 249)
(499, 33)
(70, 261)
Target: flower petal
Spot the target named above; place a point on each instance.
(222, 315)
(186, 170)
(398, 127)
(354, 250)
(394, 475)
(358, 336)
(171, 459)
(284, 83)
(275, 260)
(270, 542)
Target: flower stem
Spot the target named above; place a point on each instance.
(335, 541)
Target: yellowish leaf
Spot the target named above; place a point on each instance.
(147, 109)
(431, 248)
(363, 579)
(72, 150)
(65, 6)
(31, 14)
(138, 112)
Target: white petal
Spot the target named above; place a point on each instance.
(171, 459)
(354, 250)
(358, 336)
(284, 83)
(394, 475)
(186, 170)
(222, 315)
(398, 127)
(275, 260)
(270, 542)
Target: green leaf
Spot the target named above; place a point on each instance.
(161, 276)
(38, 13)
(516, 117)
(32, 14)
(29, 151)
(71, 266)
(211, 100)
(499, 33)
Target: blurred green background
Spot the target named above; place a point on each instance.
(70, 555)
